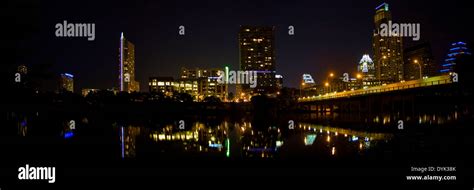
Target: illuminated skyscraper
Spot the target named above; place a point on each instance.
(66, 82)
(127, 66)
(456, 50)
(388, 50)
(257, 53)
(366, 70)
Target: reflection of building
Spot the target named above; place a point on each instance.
(457, 49)
(128, 136)
(418, 58)
(388, 53)
(260, 144)
(66, 82)
(127, 66)
(197, 139)
(257, 53)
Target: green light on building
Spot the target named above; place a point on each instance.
(228, 148)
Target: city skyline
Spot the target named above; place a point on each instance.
(94, 59)
(118, 91)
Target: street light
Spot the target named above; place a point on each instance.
(331, 75)
(419, 66)
(327, 86)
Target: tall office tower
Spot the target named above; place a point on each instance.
(388, 50)
(419, 62)
(456, 50)
(127, 80)
(366, 69)
(66, 82)
(257, 53)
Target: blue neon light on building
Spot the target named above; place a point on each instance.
(457, 49)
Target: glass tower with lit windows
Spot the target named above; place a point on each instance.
(127, 66)
(66, 82)
(257, 53)
(388, 50)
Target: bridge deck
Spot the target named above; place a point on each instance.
(437, 80)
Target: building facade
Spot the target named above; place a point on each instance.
(366, 72)
(257, 53)
(456, 50)
(199, 83)
(419, 62)
(66, 82)
(127, 80)
(388, 50)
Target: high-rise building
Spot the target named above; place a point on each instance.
(419, 62)
(456, 50)
(366, 70)
(257, 53)
(388, 50)
(66, 82)
(127, 80)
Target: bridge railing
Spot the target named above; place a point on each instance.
(431, 81)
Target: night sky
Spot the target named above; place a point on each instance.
(329, 36)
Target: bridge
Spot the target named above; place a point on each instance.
(405, 98)
(432, 81)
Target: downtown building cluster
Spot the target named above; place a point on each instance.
(391, 62)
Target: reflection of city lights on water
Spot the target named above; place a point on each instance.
(328, 139)
(333, 151)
